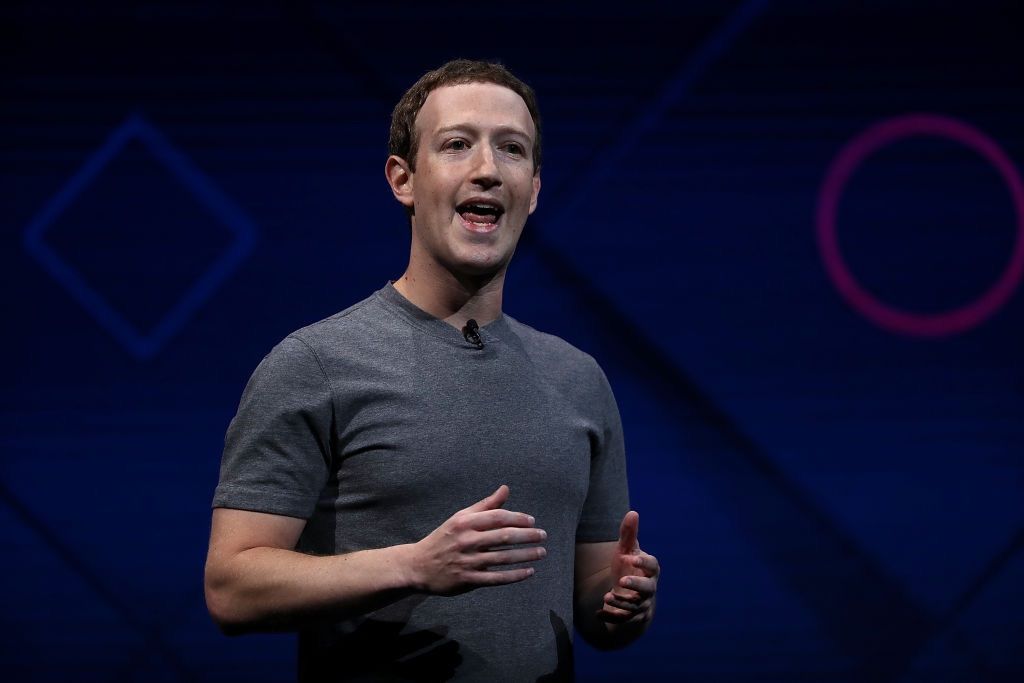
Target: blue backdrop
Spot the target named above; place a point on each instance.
(792, 233)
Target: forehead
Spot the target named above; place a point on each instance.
(482, 105)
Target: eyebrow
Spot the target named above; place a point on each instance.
(497, 129)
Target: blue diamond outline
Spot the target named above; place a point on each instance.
(141, 344)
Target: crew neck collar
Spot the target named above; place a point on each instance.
(493, 331)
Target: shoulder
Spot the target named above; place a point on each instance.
(303, 356)
(357, 323)
(574, 373)
(555, 355)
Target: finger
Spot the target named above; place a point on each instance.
(628, 532)
(627, 595)
(491, 502)
(624, 605)
(640, 584)
(614, 615)
(495, 519)
(499, 577)
(646, 563)
(609, 613)
(498, 558)
(507, 536)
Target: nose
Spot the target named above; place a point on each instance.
(485, 172)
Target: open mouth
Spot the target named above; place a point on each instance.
(480, 216)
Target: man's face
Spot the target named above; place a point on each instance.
(474, 184)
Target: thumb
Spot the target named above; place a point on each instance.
(628, 532)
(491, 502)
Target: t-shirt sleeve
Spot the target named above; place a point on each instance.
(607, 499)
(277, 450)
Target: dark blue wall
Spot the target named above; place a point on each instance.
(792, 232)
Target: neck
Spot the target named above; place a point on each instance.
(453, 297)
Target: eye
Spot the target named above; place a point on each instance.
(515, 148)
(457, 145)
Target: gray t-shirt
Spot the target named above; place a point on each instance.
(377, 424)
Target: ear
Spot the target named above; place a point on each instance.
(536, 191)
(400, 178)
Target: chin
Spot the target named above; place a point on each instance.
(480, 264)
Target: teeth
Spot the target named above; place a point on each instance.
(482, 207)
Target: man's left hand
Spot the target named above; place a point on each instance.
(635, 578)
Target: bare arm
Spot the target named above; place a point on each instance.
(615, 587)
(256, 581)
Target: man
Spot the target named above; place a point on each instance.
(424, 487)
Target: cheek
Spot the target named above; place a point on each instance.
(438, 201)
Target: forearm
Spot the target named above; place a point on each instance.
(589, 599)
(273, 589)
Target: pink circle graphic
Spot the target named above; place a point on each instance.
(843, 166)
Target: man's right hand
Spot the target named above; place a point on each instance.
(457, 556)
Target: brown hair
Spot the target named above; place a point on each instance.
(403, 141)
